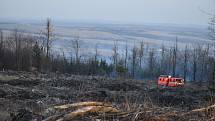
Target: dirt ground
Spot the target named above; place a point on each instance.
(28, 96)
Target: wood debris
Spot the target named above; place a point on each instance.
(82, 109)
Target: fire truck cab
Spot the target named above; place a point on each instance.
(168, 81)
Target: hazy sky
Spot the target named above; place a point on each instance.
(131, 11)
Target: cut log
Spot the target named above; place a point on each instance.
(84, 111)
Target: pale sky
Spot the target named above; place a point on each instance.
(126, 11)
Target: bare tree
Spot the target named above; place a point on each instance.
(46, 46)
(134, 60)
(96, 52)
(211, 27)
(76, 47)
(162, 62)
(185, 62)
(194, 63)
(1, 42)
(17, 39)
(26, 52)
(126, 54)
(202, 56)
(115, 54)
(141, 52)
(151, 62)
(37, 56)
(212, 37)
(1, 49)
(174, 57)
(49, 34)
(1, 39)
(207, 62)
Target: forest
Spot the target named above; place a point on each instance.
(26, 52)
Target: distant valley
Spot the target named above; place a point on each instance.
(103, 36)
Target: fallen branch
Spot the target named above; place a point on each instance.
(200, 110)
(179, 114)
(81, 104)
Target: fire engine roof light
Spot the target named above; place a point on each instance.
(165, 76)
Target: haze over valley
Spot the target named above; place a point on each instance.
(103, 35)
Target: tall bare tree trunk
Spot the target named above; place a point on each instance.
(212, 37)
(1, 43)
(194, 64)
(185, 62)
(96, 52)
(134, 60)
(115, 54)
(76, 47)
(48, 37)
(162, 68)
(1, 49)
(151, 62)
(174, 61)
(126, 55)
(17, 48)
(141, 53)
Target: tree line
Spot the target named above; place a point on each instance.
(26, 52)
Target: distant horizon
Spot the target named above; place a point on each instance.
(93, 21)
(181, 12)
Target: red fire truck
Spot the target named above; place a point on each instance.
(168, 81)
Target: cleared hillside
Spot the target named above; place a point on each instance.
(28, 96)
